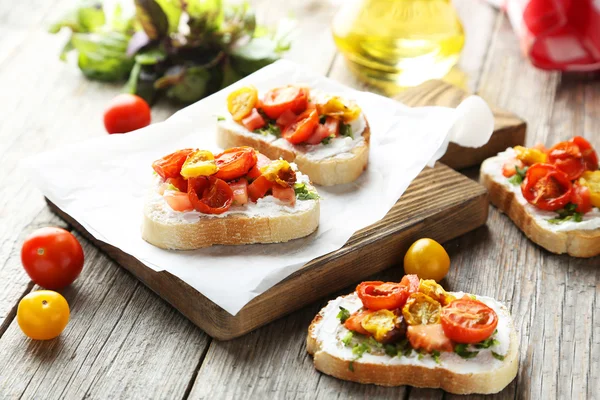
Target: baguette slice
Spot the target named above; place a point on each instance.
(164, 228)
(326, 172)
(453, 374)
(576, 243)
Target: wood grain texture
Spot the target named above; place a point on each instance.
(462, 208)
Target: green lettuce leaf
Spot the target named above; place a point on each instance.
(102, 56)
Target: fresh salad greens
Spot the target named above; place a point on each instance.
(567, 214)
(184, 50)
(303, 193)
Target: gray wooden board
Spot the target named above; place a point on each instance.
(123, 341)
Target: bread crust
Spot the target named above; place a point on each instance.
(486, 382)
(576, 243)
(327, 172)
(233, 229)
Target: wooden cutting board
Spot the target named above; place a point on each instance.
(440, 203)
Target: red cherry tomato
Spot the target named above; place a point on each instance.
(52, 257)
(581, 198)
(235, 162)
(277, 101)
(587, 151)
(567, 157)
(546, 187)
(353, 323)
(179, 183)
(377, 295)
(302, 128)
(468, 321)
(215, 194)
(170, 166)
(126, 113)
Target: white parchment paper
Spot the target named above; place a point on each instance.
(102, 183)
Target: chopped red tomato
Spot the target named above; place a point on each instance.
(546, 187)
(240, 192)
(287, 195)
(581, 198)
(320, 133)
(590, 157)
(468, 321)
(277, 101)
(254, 120)
(377, 295)
(429, 338)
(170, 166)
(510, 167)
(179, 183)
(178, 201)
(235, 162)
(253, 173)
(411, 282)
(259, 188)
(286, 118)
(567, 157)
(354, 322)
(210, 195)
(261, 161)
(302, 128)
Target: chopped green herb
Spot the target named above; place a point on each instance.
(374, 343)
(404, 347)
(517, 178)
(436, 356)
(391, 350)
(346, 130)
(347, 338)
(351, 366)
(567, 214)
(498, 356)
(473, 296)
(461, 350)
(302, 192)
(327, 139)
(220, 118)
(359, 349)
(322, 119)
(487, 343)
(343, 315)
(421, 356)
(269, 129)
(170, 186)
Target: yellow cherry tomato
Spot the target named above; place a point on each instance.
(379, 324)
(435, 291)
(42, 315)
(336, 107)
(530, 156)
(427, 259)
(591, 179)
(241, 102)
(421, 309)
(199, 163)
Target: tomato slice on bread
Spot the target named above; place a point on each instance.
(170, 166)
(279, 100)
(567, 157)
(468, 321)
(210, 195)
(377, 295)
(235, 162)
(302, 128)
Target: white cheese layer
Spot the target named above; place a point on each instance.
(268, 206)
(493, 167)
(330, 332)
(339, 147)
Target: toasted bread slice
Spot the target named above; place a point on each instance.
(482, 374)
(337, 169)
(559, 239)
(268, 221)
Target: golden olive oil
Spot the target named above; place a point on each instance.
(399, 42)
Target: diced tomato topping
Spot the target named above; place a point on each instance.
(240, 192)
(178, 201)
(582, 198)
(353, 323)
(287, 195)
(286, 118)
(253, 173)
(179, 183)
(429, 338)
(261, 161)
(302, 128)
(319, 134)
(254, 120)
(259, 188)
(509, 167)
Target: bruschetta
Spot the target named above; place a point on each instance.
(415, 333)
(552, 195)
(325, 135)
(236, 197)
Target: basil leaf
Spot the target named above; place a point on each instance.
(327, 139)
(103, 56)
(436, 356)
(461, 350)
(152, 18)
(359, 349)
(269, 129)
(343, 315)
(347, 338)
(322, 119)
(302, 192)
(568, 213)
(346, 130)
(487, 343)
(497, 356)
(391, 350)
(184, 85)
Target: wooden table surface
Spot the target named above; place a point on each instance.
(124, 341)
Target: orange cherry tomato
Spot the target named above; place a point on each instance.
(354, 322)
(126, 113)
(468, 321)
(170, 166)
(302, 128)
(377, 295)
(276, 101)
(587, 151)
(235, 162)
(429, 338)
(43, 314)
(581, 198)
(178, 201)
(215, 195)
(259, 188)
(567, 157)
(52, 257)
(546, 187)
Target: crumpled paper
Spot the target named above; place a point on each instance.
(102, 183)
